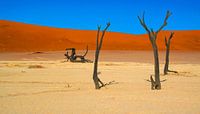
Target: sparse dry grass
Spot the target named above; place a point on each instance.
(35, 66)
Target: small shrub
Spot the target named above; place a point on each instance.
(35, 66)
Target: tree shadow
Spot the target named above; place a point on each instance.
(40, 92)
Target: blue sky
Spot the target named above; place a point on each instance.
(87, 14)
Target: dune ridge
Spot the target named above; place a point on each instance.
(21, 37)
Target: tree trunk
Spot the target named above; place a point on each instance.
(166, 68)
(152, 37)
(95, 74)
(157, 84)
(96, 79)
(157, 71)
(167, 44)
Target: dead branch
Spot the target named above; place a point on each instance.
(109, 83)
(77, 58)
(165, 21)
(142, 22)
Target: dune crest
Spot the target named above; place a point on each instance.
(16, 36)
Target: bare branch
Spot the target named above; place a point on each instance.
(86, 51)
(171, 35)
(97, 40)
(102, 36)
(102, 84)
(165, 22)
(109, 83)
(152, 83)
(152, 30)
(163, 80)
(165, 41)
(160, 81)
(151, 78)
(108, 24)
(142, 22)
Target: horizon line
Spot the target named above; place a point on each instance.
(49, 26)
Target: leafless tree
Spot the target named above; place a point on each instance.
(96, 79)
(167, 44)
(152, 37)
(76, 58)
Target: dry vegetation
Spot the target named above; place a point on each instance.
(35, 66)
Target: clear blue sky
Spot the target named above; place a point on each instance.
(87, 14)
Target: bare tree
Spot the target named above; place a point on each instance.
(152, 37)
(96, 79)
(167, 44)
(76, 58)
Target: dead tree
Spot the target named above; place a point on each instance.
(76, 58)
(167, 44)
(152, 37)
(96, 79)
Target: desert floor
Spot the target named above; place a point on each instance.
(45, 83)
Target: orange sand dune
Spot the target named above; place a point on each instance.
(16, 36)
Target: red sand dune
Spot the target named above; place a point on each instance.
(16, 36)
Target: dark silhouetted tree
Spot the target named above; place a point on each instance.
(167, 44)
(152, 37)
(96, 79)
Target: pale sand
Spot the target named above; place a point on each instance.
(191, 57)
(67, 88)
